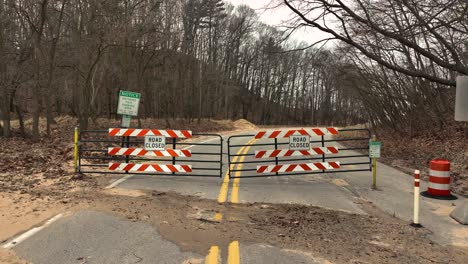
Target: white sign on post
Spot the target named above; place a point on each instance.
(299, 142)
(374, 149)
(155, 142)
(128, 103)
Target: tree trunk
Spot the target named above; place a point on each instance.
(5, 114)
(48, 88)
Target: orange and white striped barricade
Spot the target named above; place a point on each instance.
(149, 152)
(439, 180)
(315, 166)
(310, 150)
(292, 152)
(136, 132)
(132, 167)
(297, 132)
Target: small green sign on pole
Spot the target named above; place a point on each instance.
(374, 154)
(374, 149)
(128, 103)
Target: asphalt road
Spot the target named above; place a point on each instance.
(318, 189)
(94, 237)
(90, 237)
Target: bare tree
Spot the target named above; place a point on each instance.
(433, 30)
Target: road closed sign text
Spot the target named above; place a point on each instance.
(155, 142)
(299, 142)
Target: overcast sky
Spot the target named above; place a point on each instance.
(277, 16)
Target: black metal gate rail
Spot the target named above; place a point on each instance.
(364, 157)
(94, 144)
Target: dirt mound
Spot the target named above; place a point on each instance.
(244, 124)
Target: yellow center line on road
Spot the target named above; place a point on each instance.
(213, 256)
(223, 192)
(233, 249)
(225, 185)
(236, 182)
(233, 253)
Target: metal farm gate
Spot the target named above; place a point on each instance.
(274, 153)
(123, 151)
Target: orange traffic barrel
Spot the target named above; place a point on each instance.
(439, 179)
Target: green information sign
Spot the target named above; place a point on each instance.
(128, 103)
(374, 149)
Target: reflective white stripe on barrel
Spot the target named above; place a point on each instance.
(439, 186)
(439, 173)
(439, 178)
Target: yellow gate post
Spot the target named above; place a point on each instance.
(76, 149)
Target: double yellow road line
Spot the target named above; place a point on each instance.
(213, 256)
(223, 192)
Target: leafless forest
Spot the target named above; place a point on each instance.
(391, 63)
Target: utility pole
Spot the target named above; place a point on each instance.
(460, 213)
(461, 98)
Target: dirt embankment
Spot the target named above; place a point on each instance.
(408, 154)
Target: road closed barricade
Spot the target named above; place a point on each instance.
(298, 152)
(154, 145)
(150, 151)
(299, 145)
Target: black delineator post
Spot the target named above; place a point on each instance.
(221, 159)
(127, 158)
(123, 145)
(323, 145)
(229, 158)
(276, 158)
(174, 146)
